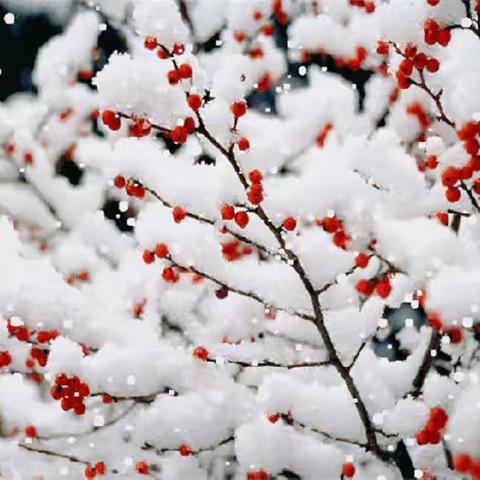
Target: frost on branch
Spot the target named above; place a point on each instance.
(266, 265)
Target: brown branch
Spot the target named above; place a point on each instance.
(211, 222)
(319, 321)
(110, 423)
(50, 453)
(468, 191)
(161, 451)
(239, 291)
(426, 364)
(268, 363)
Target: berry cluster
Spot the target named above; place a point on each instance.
(179, 134)
(335, 226)
(279, 13)
(412, 60)
(464, 463)
(434, 34)
(454, 332)
(161, 251)
(171, 275)
(140, 127)
(322, 136)
(44, 336)
(82, 276)
(40, 356)
(183, 72)
(133, 188)
(432, 431)
(468, 135)
(381, 286)
(20, 332)
(71, 391)
(241, 217)
(369, 7)
(91, 471)
(234, 250)
(150, 43)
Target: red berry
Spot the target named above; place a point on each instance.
(450, 176)
(5, 359)
(173, 77)
(241, 219)
(162, 54)
(362, 260)
(148, 257)
(453, 194)
(476, 186)
(432, 162)
(161, 250)
(178, 48)
(169, 275)
(227, 212)
(442, 217)
(201, 353)
(119, 181)
(28, 158)
(433, 3)
(383, 288)
(80, 409)
(185, 71)
(267, 30)
(455, 334)
(472, 146)
(150, 43)
(243, 144)
(433, 65)
(179, 135)
(273, 418)
(444, 37)
(382, 47)
(462, 462)
(184, 450)
(194, 102)
(289, 224)
(348, 470)
(107, 399)
(331, 224)
(89, 472)
(30, 431)
(100, 468)
(111, 119)
(239, 109)
(255, 176)
(437, 418)
(178, 214)
(142, 468)
(257, 15)
(365, 287)
(420, 61)
(189, 125)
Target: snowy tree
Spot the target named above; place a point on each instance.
(229, 329)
